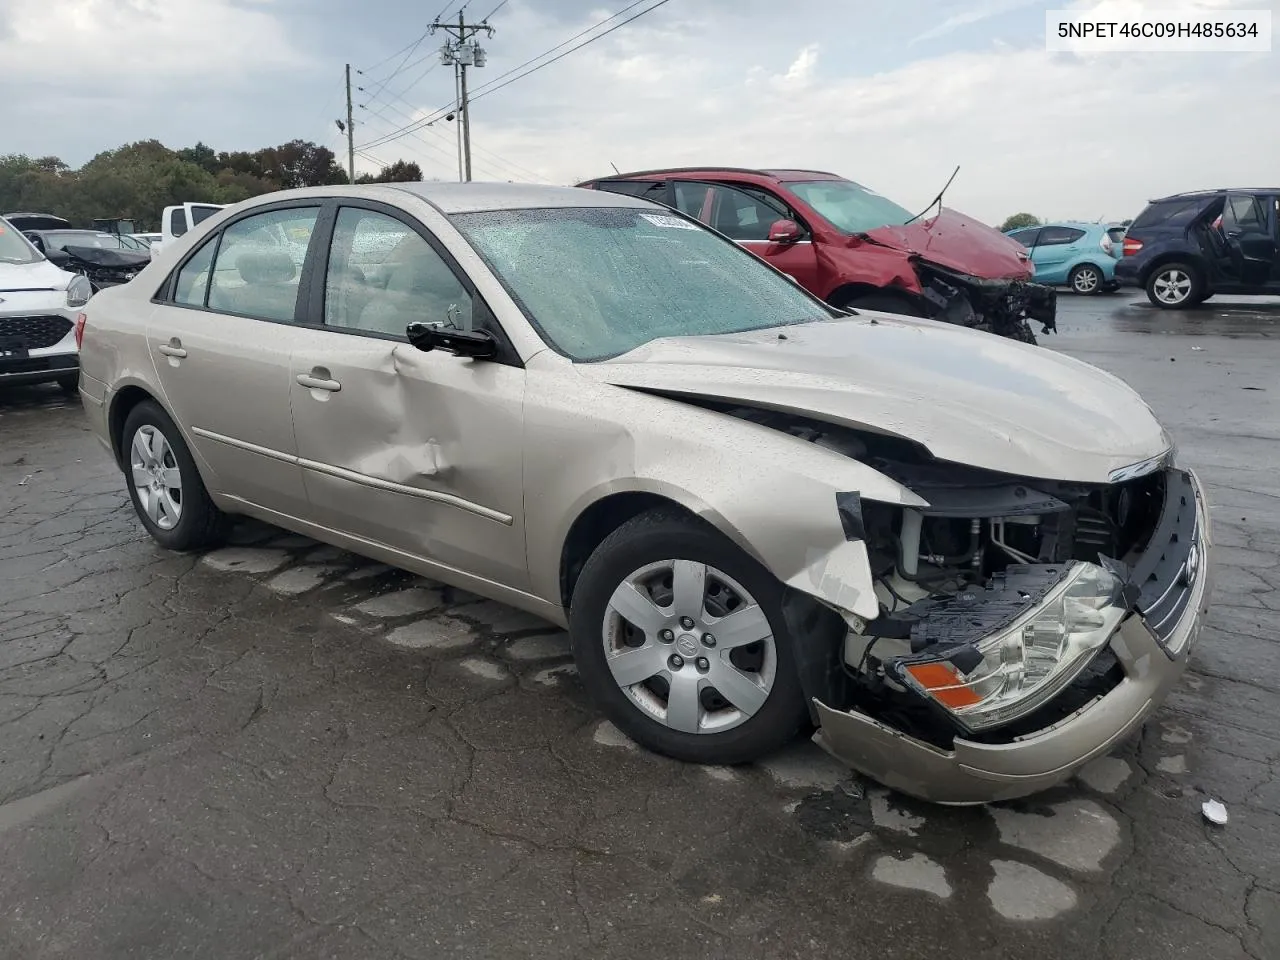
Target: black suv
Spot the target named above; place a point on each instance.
(1185, 248)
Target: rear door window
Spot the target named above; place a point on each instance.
(259, 262)
(1059, 236)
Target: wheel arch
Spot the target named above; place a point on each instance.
(123, 401)
(599, 517)
(852, 290)
(1176, 256)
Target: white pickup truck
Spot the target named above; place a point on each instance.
(177, 220)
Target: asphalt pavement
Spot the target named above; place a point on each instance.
(281, 750)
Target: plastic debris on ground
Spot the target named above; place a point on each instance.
(1214, 811)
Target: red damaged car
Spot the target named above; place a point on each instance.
(857, 249)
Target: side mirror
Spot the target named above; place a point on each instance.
(785, 231)
(476, 344)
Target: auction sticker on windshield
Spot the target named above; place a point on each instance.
(675, 223)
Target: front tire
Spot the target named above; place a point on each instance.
(679, 639)
(1175, 286)
(1085, 279)
(164, 485)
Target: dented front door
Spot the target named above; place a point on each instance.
(417, 451)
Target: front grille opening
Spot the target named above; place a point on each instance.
(33, 333)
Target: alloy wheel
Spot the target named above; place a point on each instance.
(156, 477)
(689, 646)
(1172, 286)
(1086, 280)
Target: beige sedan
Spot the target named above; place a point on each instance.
(970, 564)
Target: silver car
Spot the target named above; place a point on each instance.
(970, 564)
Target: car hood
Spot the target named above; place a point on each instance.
(41, 275)
(959, 243)
(967, 397)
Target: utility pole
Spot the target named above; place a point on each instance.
(351, 132)
(462, 51)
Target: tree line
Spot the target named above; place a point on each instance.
(138, 180)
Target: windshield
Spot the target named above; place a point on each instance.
(598, 282)
(849, 206)
(14, 247)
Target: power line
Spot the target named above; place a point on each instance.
(521, 172)
(409, 47)
(545, 53)
(494, 10)
(498, 82)
(494, 89)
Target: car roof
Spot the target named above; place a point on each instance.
(781, 175)
(454, 198)
(1217, 192)
(450, 198)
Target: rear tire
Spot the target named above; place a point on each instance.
(1085, 279)
(164, 484)
(668, 682)
(1175, 286)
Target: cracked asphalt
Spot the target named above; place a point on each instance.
(281, 750)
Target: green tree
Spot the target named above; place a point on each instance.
(398, 172)
(202, 156)
(1020, 220)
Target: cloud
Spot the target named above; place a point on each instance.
(975, 14)
(800, 74)
(117, 43)
(1057, 134)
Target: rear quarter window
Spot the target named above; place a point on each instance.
(1171, 213)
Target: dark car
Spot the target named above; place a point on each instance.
(855, 248)
(106, 259)
(1185, 248)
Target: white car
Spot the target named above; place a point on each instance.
(39, 307)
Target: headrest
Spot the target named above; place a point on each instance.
(266, 266)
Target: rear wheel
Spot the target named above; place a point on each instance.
(1085, 279)
(679, 638)
(1173, 286)
(166, 489)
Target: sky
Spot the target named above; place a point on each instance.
(891, 93)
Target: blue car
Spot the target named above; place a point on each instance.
(1081, 256)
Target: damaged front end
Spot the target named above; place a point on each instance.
(1000, 306)
(1024, 626)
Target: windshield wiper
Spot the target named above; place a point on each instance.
(937, 201)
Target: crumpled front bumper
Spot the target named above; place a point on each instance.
(973, 772)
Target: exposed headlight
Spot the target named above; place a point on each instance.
(1026, 664)
(79, 290)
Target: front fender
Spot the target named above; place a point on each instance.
(774, 495)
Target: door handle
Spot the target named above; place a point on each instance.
(318, 383)
(173, 348)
